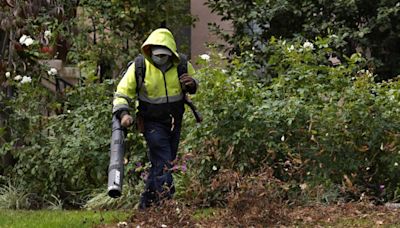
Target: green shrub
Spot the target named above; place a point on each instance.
(363, 26)
(65, 155)
(311, 122)
(12, 196)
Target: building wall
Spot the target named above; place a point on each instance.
(200, 35)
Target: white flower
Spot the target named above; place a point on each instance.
(382, 146)
(22, 39)
(178, 210)
(122, 224)
(17, 78)
(224, 71)
(308, 45)
(52, 71)
(303, 186)
(214, 168)
(283, 138)
(291, 48)
(362, 196)
(47, 33)
(26, 79)
(396, 164)
(8, 74)
(205, 57)
(26, 40)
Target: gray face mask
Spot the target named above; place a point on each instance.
(160, 60)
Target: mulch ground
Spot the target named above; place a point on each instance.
(256, 201)
(174, 214)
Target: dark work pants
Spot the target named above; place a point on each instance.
(163, 147)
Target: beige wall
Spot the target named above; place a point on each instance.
(200, 34)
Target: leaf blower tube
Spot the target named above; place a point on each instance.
(116, 167)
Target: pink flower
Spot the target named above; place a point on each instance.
(184, 168)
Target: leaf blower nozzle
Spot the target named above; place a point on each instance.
(116, 166)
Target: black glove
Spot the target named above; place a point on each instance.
(188, 83)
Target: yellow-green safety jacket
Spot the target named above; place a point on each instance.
(160, 94)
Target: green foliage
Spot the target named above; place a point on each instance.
(13, 196)
(325, 131)
(64, 155)
(368, 27)
(312, 122)
(128, 200)
(111, 32)
(59, 143)
(48, 24)
(58, 149)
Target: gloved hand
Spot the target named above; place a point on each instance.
(126, 120)
(188, 83)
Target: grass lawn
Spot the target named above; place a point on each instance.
(55, 219)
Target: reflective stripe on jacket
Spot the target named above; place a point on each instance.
(157, 89)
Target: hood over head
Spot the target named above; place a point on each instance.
(162, 38)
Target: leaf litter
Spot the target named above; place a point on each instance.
(255, 202)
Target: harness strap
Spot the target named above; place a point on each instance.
(140, 72)
(182, 67)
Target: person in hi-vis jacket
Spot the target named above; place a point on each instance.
(160, 110)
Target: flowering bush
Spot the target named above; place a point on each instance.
(58, 143)
(313, 123)
(357, 26)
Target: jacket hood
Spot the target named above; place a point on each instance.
(160, 37)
